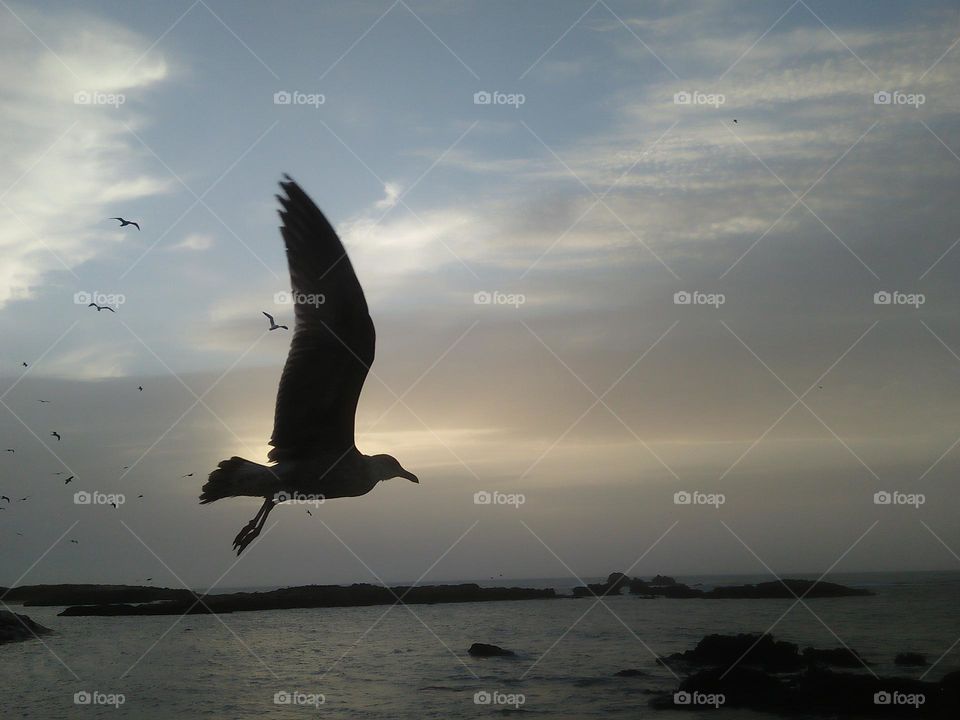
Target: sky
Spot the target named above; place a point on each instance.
(613, 251)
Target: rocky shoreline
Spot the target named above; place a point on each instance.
(15, 627)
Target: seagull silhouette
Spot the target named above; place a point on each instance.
(43, 401)
(24, 499)
(273, 325)
(114, 505)
(4, 497)
(11, 450)
(56, 435)
(124, 223)
(24, 364)
(75, 542)
(331, 352)
(187, 475)
(67, 481)
(140, 388)
(101, 307)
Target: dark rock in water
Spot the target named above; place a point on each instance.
(744, 649)
(660, 580)
(838, 657)
(810, 690)
(910, 659)
(615, 582)
(485, 650)
(315, 596)
(52, 595)
(14, 627)
(788, 589)
(630, 672)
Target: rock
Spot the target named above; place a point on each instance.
(745, 649)
(14, 628)
(485, 650)
(661, 580)
(788, 589)
(838, 657)
(315, 596)
(630, 672)
(910, 659)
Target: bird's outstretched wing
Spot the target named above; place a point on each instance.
(333, 340)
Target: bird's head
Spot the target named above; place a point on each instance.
(385, 467)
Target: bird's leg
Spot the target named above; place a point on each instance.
(252, 529)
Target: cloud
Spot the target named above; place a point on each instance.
(194, 242)
(69, 157)
(392, 194)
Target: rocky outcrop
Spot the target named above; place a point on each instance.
(312, 596)
(788, 589)
(14, 627)
(485, 650)
(765, 675)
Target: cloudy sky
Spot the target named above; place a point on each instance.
(777, 165)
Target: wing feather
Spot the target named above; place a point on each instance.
(333, 339)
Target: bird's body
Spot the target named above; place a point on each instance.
(56, 435)
(330, 354)
(124, 223)
(101, 307)
(273, 324)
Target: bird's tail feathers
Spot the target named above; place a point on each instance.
(238, 476)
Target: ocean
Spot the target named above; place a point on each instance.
(412, 662)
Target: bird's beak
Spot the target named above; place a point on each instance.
(410, 476)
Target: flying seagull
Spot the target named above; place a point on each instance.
(124, 223)
(273, 325)
(67, 481)
(43, 401)
(101, 307)
(140, 388)
(24, 364)
(331, 352)
(187, 475)
(56, 435)
(4, 497)
(11, 450)
(75, 542)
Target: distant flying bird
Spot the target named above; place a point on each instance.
(24, 364)
(114, 505)
(101, 307)
(43, 401)
(330, 354)
(56, 435)
(4, 497)
(67, 481)
(75, 542)
(11, 450)
(187, 475)
(735, 122)
(148, 579)
(24, 499)
(273, 325)
(309, 513)
(124, 223)
(59, 473)
(140, 388)
(139, 496)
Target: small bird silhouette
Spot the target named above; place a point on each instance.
(56, 435)
(139, 496)
(148, 579)
(114, 505)
(124, 223)
(187, 475)
(4, 497)
(273, 325)
(67, 481)
(24, 499)
(11, 450)
(59, 473)
(309, 513)
(101, 307)
(24, 364)
(75, 542)
(140, 388)
(43, 401)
